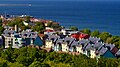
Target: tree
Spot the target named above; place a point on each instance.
(1, 30)
(86, 31)
(3, 63)
(39, 64)
(104, 36)
(16, 64)
(0, 22)
(95, 33)
(74, 28)
(39, 27)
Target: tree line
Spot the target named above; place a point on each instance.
(32, 57)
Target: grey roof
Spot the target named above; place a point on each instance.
(88, 47)
(53, 37)
(59, 41)
(118, 53)
(8, 32)
(110, 46)
(74, 43)
(102, 50)
(29, 34)
(69, 40)
(94, 39)
(97, 45)
(83, 42)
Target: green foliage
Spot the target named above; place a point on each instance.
(39, 64)
(27, 18)
(95, 33)
(56, 26)
(104, 36)
(74, 28)
(1, 30)
(16, 21)
(32, 57)
(0, 22)
(39, 27)
(86, 31)
(3, 63)
(16, 64)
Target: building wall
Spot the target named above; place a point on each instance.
(49, 44)
(65, 47)
(79, 49)
(92, 54)
(108, 54)
(8, 41)
(17, 42)
(38, 41)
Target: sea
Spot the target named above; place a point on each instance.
(95, 15)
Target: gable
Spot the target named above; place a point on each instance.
(108, 54)
(38, 41)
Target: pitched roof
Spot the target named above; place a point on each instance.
(74, 43)
(29, 34)
(69, 40)
(8, 32)
(52, 37)
(97, 45)
(110, 46)
(102, 50)
(94, 39)
(118, 53)
(59, 41)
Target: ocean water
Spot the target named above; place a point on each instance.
(95, 15)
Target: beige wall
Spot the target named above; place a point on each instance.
(65, 47)
(93, 55)
(79, 49)
(49, 44)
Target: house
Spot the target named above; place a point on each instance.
(95, 39)
(49, 31)
(104, 52)
(1, 41)
(79, 48)
(68, 31)
(112, 48)
(117, 53)
(73, 46)
(93, 53)
(8, 38)
(50, 41)
(31, 38)
(83, 36)
(65, 47)
(58, 45)
(79, 36)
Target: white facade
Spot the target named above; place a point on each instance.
(65, 47)
(79, 49)
(49, 44)
(93, 55)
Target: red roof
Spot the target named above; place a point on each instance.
(48, 30)
(80, 35)
(75, 36)
(85, 36)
